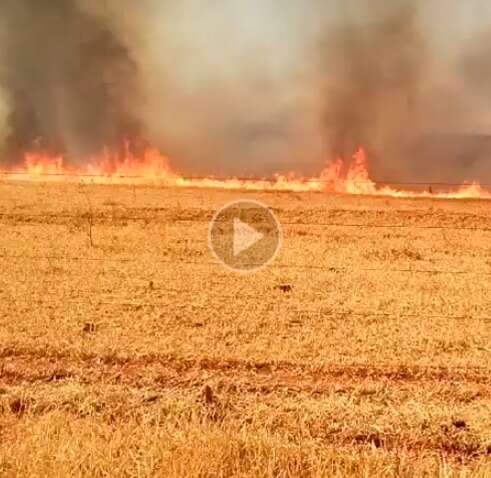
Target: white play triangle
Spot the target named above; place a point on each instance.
(245, 236)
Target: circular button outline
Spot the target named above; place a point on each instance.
(276, 222)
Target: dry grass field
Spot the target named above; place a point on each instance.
(126, 350)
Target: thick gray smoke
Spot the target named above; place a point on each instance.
(212, 91)
(252, 86)
(392, 89)
(71, 83)
(374, 72)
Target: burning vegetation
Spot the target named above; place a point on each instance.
(152, 167)
(75, 84)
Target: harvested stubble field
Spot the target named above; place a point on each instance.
(364, 350)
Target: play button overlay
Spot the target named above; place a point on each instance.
(245, 236)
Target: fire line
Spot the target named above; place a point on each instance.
(152, 167)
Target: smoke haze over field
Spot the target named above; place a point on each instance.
(251, 86)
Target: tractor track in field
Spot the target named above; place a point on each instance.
(238, 383)
(33, 366)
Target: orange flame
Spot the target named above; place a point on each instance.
(154, 168)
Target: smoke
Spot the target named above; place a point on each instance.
(215, 93)
(70, 82)
(233, 88)
(375, 73)
(392, 87)
(250, 86)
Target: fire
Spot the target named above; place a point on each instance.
(110, 167)
(154, 168)
(356, 179)
(37, 165)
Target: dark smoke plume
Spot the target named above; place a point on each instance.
(408, 101)
(376, 68)
(71, 83)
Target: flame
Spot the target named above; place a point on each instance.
(152, 167)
